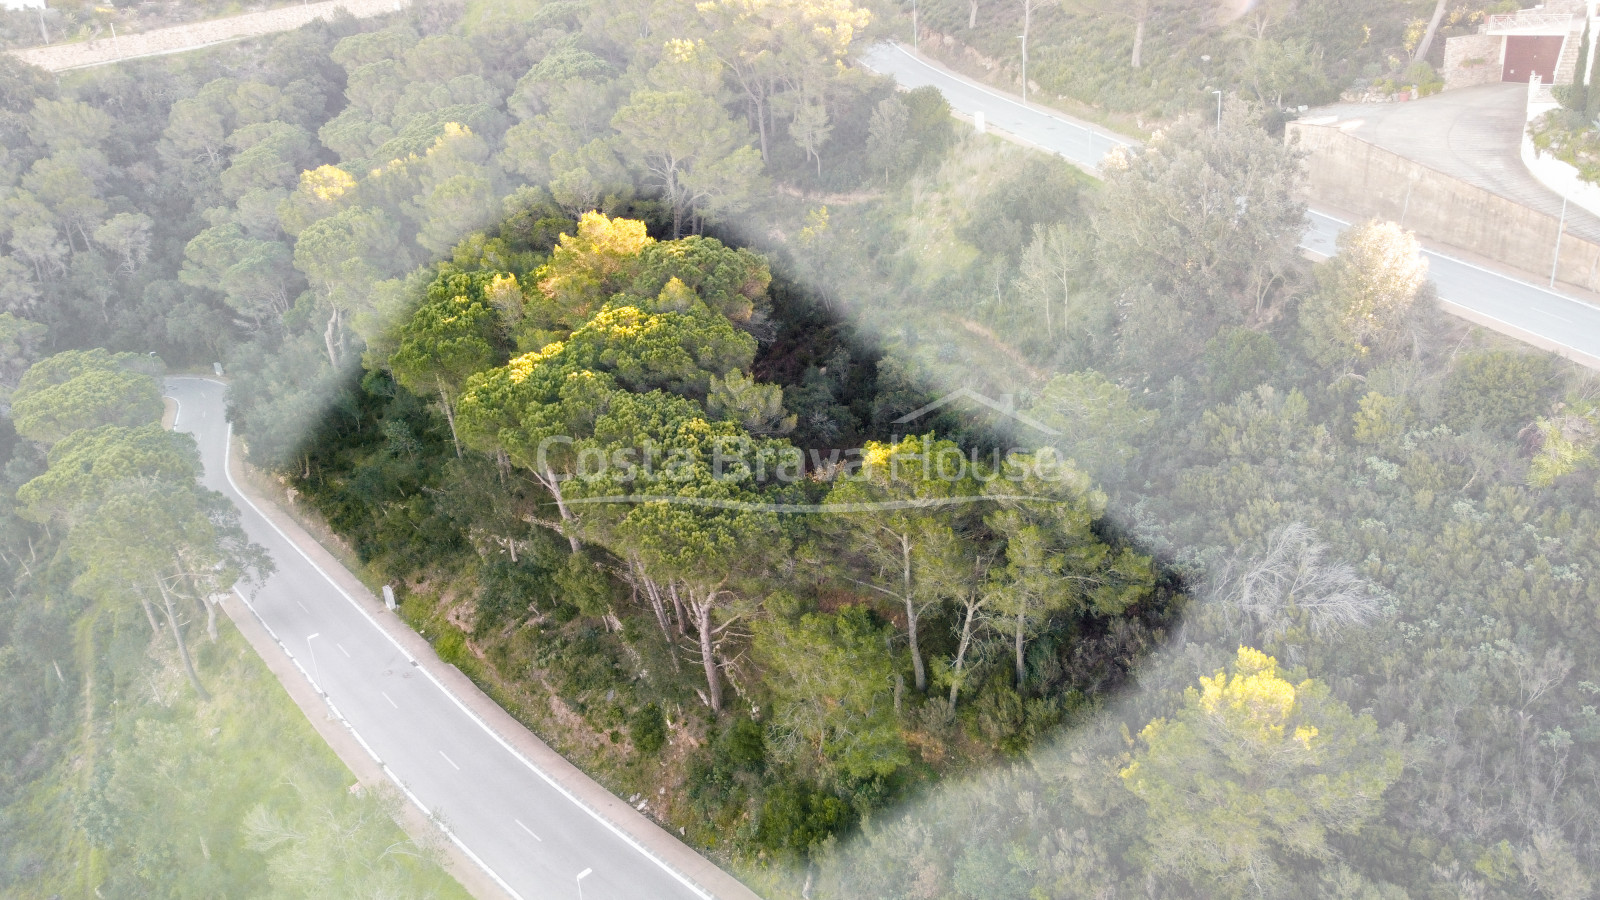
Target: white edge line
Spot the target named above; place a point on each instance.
(1521, 328)
(1120, 141)
(1445, 256)
(680, 877)
(1475, 267)
(388, 772)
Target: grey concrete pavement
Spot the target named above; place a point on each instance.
(1474, 134)
(194, 35)
(529, 819)
(1497, 300)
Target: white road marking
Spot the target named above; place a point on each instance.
(449, 760)
(302, 606)
(528, 830)
(343, 650)
(391, 700)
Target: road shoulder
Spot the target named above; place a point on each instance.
(568, 777)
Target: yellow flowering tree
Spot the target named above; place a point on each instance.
(1252, 773)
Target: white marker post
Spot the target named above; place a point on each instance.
(388, 597)
(977, 122)
(581, 876)
(317, 670)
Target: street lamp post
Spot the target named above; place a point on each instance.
(1219, 111)
(916, 30)
(1560, 230)
(1024, 38)
(316, 670)
(581, 876)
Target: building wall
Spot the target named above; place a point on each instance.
(1359, 178)
(1472, 59)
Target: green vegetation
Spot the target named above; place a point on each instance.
(1150, 60)
(80, 20)
(1569, 132)
(141, 761)
(852, 655)
(1304, 610)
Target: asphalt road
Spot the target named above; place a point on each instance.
(531, 836)
(1527, 311)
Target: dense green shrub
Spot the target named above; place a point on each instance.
(797, 816)
(1498, 391)
(647, 728)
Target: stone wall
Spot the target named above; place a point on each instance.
(1352, 175)
(1472, 59)
(178, 38)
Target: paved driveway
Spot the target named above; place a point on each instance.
(1474, 134)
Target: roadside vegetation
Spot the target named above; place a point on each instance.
(149, 751)
(1308, 615)
(1569, 132)
(79, 20)
(1141, 62)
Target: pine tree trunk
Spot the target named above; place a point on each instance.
(653, 591)
(183, 648)
(972, 14)
(330, 337)
(1138, 40)
(961, 653)
(449, 417)
(708, 653)
(1426, 43)
(553, 485)
(678, 610)
(761, 124)
(150, 614)
(1022, 669)
(919, 672)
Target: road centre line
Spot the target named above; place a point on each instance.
(449, 760)
(528, 830)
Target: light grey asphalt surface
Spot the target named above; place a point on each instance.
(1473, 134)
(530, 835)
(1551, 317)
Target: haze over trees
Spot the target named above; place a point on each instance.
(1303, 610)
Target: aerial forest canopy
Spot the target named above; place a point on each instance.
(890, 510)
(664, 489)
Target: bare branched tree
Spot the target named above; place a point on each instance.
(1291, 581)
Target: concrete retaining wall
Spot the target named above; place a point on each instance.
(61, 57)
(1353, 175)
(1472, 59)
(1560, 177)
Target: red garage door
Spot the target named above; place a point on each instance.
(1529, 54)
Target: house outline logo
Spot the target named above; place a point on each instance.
(1005, 407)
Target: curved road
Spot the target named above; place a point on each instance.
(1528, 312)
(527, 829)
